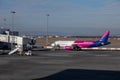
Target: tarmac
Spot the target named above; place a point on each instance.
(61, 65)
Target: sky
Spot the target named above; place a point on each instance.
(66, 17)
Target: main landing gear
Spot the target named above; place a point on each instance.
(76, 48)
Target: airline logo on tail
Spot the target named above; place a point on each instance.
(103, 40)
(105, 36)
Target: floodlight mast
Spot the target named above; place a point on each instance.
(47, 29)
(12, 29)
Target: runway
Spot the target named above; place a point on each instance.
(61, 65)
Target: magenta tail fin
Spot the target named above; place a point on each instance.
(105, 36)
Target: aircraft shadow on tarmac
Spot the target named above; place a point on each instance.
(83, 74)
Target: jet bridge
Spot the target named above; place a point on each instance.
(20, 44)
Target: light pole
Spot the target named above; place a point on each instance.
(12, 30)
(13, 13)
(4, 24)
(47, 29)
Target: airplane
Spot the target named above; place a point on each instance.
(78, 44)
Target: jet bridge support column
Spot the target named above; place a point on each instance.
(20, 51)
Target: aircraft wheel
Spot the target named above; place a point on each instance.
(57, 47)
(76, 48)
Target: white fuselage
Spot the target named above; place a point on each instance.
(62, 43)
